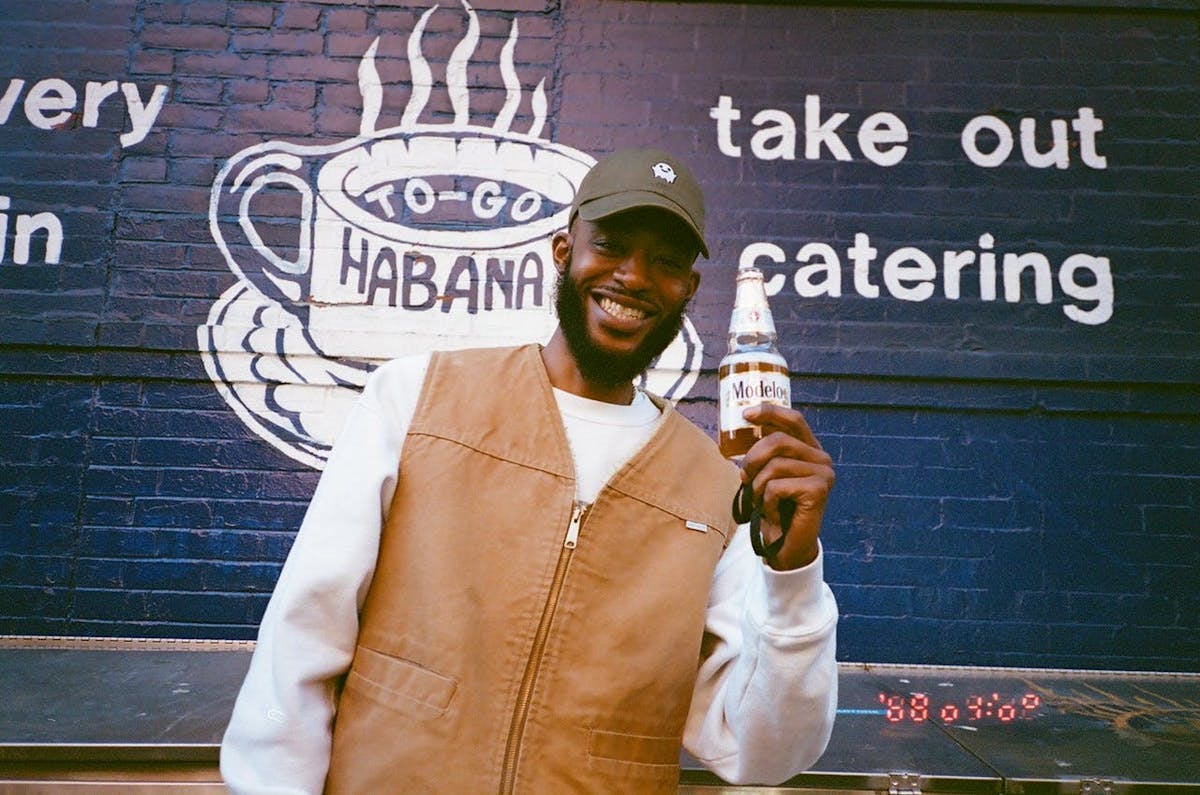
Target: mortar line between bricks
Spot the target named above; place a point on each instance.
(981, 407)
(80, 502)
(1009, 6)
(556, 71)
(875, 378)
(94, 377)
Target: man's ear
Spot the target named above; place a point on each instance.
(560, 248)
(695, 284)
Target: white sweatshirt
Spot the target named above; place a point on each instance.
(764, 702)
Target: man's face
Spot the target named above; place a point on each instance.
(624, 282)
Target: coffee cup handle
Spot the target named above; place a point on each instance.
(235, 229)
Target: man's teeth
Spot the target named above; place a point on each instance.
(620, 311)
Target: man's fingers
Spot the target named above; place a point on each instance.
(785, 419)
(808, 486)
(776, 450)
(808, 496)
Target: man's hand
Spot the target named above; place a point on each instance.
(788, 463)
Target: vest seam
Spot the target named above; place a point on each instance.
(673, 428)
(651, 501)
(671, 508)
(503, 457)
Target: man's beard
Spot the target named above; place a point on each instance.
(595, 364)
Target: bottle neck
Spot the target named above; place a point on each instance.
(751, 325)
(749, 340)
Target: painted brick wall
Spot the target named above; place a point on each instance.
(1017, 486)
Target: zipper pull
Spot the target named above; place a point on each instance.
(573, 528)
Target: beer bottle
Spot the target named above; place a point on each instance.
(753, 371)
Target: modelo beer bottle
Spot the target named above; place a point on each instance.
(753, 371)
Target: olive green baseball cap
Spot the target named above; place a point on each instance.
(632, 178)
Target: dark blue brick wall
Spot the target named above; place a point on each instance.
(1061, 553)
(1014, 487)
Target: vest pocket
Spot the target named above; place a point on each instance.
(400, 684)
(634, 755)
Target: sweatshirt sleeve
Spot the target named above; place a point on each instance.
(766, 695)
(279, 736)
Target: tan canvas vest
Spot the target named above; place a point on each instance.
(495, 655)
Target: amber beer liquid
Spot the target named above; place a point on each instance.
(753, 371)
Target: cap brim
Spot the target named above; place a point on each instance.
(605, 206)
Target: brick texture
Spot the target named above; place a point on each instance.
(1015, 487)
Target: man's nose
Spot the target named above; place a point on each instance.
(633, 271)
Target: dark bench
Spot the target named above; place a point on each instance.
(104, 715)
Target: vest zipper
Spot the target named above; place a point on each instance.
(508, 774)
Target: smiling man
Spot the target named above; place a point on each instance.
(519, 573)
(624, 282)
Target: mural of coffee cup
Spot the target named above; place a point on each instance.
(393, 242)
(411, 239)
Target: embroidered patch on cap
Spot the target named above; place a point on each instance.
(664, 172)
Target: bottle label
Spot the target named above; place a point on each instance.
(746, 388)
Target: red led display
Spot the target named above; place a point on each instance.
(975, 708)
